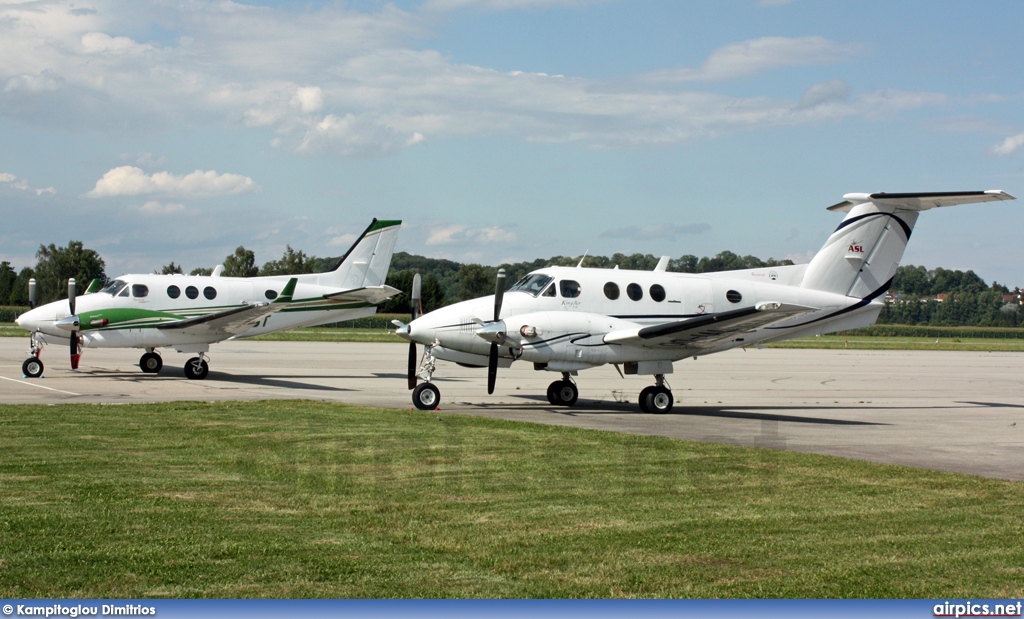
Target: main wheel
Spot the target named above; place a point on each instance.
(643, 398)
(33, 367)
(564, 393)
(196, 369)
(151, 363)
(659, 400)
(551, 392)
(426, 396)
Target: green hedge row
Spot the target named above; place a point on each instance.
(377, 321)
(946, 332)
(9, 313)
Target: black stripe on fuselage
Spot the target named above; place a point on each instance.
(846, 222)
(856, 306)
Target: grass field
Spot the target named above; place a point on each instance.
(306, 499)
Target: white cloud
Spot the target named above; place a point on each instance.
(1009, 145)
(22, 185)
(333, 81)
(835, 90)
(461, 234)
(132, 181)
(758, 55)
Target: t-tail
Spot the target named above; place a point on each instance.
(367, 262)
(860, 259)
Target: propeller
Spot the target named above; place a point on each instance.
(32, 293)
(417, 309)
(75, 353)
(492, 359)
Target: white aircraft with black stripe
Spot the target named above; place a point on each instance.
(565, 319)
(190, 312)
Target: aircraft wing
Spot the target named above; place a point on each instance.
(709, 330)
(234, 320)
(368, 294)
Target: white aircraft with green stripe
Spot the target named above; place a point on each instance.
(189, 312)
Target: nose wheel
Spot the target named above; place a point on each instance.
(426, 396)
(32, 368)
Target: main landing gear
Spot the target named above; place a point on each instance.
(151, 362)
(197, 368)
(563, 392)
(657, 398)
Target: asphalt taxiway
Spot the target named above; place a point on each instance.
(949, 411)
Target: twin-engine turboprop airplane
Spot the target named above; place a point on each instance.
(569, 319)
(188, 313)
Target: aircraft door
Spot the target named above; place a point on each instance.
(697, 296)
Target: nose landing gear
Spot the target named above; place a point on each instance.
(33, 367)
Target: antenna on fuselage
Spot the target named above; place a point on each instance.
(582, 258)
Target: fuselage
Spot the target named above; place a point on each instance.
(569, 311)
(126, 312)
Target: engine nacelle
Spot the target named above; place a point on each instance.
(548, 337)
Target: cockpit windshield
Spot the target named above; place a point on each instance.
(532, 284)
(114, 287)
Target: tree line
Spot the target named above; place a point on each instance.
(968, 301)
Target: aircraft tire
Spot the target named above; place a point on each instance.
(643, 398)
(33, 367)
(196, 369)
(565, 393)
(551, 393)
(426, 396)
(151, 363)
(659, 400)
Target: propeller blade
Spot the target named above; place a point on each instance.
(417, 290)
(499, 293)
(412, 365)
(75, 355)
(492, 368)
(32, 293)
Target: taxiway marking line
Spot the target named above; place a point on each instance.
(40, 386)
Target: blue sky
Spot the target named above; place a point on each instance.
(504, 129)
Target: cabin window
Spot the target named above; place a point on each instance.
(531, 284)
(549, 291)
(270, 294)
(192, 292)
(569, 288)
(611, 290)
(658, 293)
(635, 292)
(114, 287)
(733, 296)
(140, 291)
(210, 293)
(173, 291)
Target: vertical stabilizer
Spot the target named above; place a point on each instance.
(368, 260)
(860, 258)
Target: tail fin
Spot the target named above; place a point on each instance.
(367, 262)
(860, 258)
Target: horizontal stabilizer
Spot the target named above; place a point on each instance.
(920, 201)
(708, 330)
(367, 294)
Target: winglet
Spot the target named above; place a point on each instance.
(287, 292)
